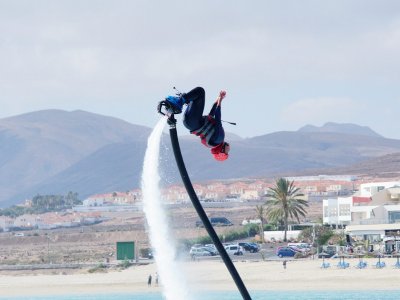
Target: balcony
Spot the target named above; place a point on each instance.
(372, 221)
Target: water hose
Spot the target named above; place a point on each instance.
(200, 211)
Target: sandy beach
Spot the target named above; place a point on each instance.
(211, 275)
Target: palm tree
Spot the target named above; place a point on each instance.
(284, 203)
(260, 214)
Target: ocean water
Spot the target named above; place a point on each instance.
(257, 295)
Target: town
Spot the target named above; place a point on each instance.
(368, 208)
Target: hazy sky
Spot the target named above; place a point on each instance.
(284, 64)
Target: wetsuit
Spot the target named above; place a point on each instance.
(203, 125)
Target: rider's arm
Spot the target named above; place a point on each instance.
(216, 109)
(221, 96)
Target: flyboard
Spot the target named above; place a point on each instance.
(165, 109)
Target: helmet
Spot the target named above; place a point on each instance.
(220, 152)
(221, 156)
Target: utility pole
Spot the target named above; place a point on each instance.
(48, 249)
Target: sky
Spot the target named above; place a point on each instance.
(284, 64)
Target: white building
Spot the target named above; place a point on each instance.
(323, 177)
(373, 232)
(6, 223)
(373, 216)
(95, 200)
(279, 235)
(364, 207)
(27, 221)
(337, 211)
(372, 188)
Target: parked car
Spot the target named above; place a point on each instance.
(211, 248)
(216, 221)
(297, 249)
(221, 221)
(249, 247)
(301, 247)
(234, 250)
(201, 251)
(285, 251)
(256, 245)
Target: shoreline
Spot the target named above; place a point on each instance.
(300, 275)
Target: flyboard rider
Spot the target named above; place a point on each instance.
(207, 127)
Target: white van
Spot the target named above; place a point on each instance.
(234, 250)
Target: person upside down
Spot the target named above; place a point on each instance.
(208, 128)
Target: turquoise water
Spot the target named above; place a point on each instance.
(259, 295)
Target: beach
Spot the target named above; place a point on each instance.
(300, 275)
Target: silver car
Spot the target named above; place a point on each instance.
(200, 251)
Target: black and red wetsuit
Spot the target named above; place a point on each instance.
(208, 128)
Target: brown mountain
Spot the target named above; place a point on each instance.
(56, 152)
(382, 166)
(36, 146)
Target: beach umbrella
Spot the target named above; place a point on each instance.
(323, 254)
(342, 256)
(360, 255)
(379, 259)
(397, 254)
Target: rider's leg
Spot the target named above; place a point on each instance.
(193, 117)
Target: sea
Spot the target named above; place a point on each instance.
(256, 295)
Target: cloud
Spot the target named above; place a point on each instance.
(120, 57)
(319, 110)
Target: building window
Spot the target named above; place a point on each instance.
(372, 238)
(394, 216)
(344, 210)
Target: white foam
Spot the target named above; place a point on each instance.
(171, 277)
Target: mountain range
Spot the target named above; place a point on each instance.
(55, 151)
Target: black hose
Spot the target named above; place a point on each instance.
(200, 211)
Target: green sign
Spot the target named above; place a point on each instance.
(125, 250)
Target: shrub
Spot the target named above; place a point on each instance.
(125, 264)
(100, 268)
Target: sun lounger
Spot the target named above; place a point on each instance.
(325, 265)
(343, 265)
(361, 265)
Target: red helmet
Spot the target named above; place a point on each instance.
(220, 151)
(221, 156)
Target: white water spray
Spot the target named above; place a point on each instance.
(174, 284)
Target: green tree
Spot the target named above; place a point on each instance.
(322, 234)
(260, 214)
(71, 199)
(285, 203)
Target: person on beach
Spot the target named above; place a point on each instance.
(149, 281)
(284, 264)
(156, 279)
(209, 128)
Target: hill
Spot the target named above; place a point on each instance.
(382, 166)
(345, 128)
(36, 146)
(57, 151)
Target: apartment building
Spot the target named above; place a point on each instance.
(373, 215)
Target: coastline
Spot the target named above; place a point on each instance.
(300, 275)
